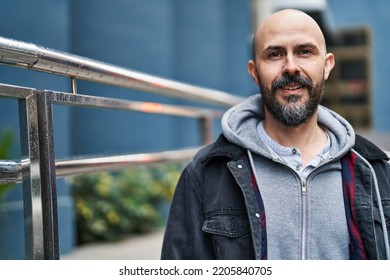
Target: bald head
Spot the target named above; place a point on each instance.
(279, 25)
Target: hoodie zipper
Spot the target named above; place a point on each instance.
(304, 209)
(303, 220)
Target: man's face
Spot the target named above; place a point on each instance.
(291, 67)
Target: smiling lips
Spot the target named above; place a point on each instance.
(292, 87)
(292, 84)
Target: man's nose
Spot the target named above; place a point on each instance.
(291, 66)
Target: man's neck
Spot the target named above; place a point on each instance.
(309, 137)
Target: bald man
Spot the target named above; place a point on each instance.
(287, 178)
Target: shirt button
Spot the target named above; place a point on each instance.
(239, 166)
(257, 215)
(294, 151)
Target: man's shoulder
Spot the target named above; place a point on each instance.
(369, 150)
(220, 148)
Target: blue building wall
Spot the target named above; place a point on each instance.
(212, 50)
(375, 14)
(200, 42)
(133, 34)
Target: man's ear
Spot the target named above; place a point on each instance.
(329, 64)
(253, 71)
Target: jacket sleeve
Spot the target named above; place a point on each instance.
(382, 171)
(184, 238)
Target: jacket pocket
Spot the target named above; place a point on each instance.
(230, 234)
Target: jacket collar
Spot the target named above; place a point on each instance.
(223, 148)
(369, 150)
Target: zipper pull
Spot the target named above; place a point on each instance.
(303, 187)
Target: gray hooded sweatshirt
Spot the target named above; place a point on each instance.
(305, 217)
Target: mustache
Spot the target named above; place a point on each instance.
(287, 79)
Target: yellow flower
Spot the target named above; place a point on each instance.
(104, 184)
(113, 217)
(84, 210)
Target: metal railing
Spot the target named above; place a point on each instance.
(38, 168)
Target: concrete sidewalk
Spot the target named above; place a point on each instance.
(137, 247)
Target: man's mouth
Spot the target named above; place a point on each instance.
(292, 83)
(292, 87)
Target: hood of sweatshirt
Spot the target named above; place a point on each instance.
(239, 126)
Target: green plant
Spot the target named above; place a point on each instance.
(6, 140)
(110, 206)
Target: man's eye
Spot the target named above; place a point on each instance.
(305, 52)
(274, 54)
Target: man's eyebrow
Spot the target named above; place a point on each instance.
(307, 45)
(274, 48)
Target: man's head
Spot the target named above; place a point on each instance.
(290, 65)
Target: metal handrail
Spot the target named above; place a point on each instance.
(31, 56)
(11, 172)
(38, 168)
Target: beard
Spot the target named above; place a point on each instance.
(293, 110)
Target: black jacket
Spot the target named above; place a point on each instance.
(214, 212)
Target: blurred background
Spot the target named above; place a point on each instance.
(201, 42)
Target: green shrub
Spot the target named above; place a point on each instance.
(110, 206)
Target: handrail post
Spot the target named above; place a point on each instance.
(29, 135)
(74, 85)
(47, 161)
(207, 129)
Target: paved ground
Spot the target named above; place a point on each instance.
(139, 247)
